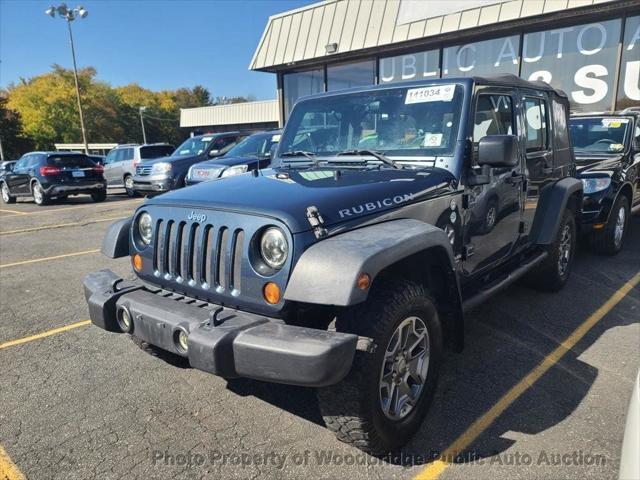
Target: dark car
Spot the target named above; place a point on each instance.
(252, 153)
(97, 159)
(47, 175)
(169, 173)
(607, 151)
(351, 269)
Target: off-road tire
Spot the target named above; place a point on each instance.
(99, 195)
(41, 198)
(6, 197)
(548, 276)
(604, 241)
(157, 352)
(352, 408)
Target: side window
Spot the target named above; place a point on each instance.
(22, 163)
(494, 116)
(128, 154)
(535, 112)
(34, 161)
(561, 132)
(111, 157)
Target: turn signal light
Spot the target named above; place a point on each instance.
(271, 293)
(364, 281)
(137, 262)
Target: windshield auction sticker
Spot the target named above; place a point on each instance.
(441, 93)
(614, 122)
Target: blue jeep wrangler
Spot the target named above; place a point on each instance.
(389, 211)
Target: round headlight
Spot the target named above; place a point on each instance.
(145, 227)
(274, 247)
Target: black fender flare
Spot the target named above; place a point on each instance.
(327, 272)
(115, 243)
(552, 202)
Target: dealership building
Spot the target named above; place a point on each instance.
(588, 48)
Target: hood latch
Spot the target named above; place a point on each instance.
(316, 221)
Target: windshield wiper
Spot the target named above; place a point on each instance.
(372, 153)
(300, 153)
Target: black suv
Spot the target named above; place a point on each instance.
(607, 150)
(164, 174)
(349, 268)
(47, 175)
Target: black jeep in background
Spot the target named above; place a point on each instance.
(349, 265)
(47, 175)
(607, 151)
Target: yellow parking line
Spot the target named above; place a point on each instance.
(37, 260)
(14, 212)
(64, 209)
(435, 469)
(48, 333)
(47, 227)
(8, 470)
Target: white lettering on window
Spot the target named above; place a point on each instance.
(603, 38)
(586, 77)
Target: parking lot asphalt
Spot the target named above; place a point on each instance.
(540, 391)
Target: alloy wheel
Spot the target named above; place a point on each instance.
(404, 368)
(5, 193)
(618, 231)
(38, 194)
(564, 259)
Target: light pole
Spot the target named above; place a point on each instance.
(144, 134)
(70, 15)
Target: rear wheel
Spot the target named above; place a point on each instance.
(609, 240)
(128, 185)
(6, 197)
(552, 274)
(38, 194)
(385, 397)
(99, 195)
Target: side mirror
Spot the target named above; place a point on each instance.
(214, 153)
(9, 167)
(498, 151)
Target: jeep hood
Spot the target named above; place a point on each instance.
(340, 195)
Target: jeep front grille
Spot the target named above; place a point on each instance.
(205, 255)
(143, 170)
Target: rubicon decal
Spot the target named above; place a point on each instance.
(375, 205)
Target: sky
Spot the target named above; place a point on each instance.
(159, 44)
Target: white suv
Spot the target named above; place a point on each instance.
(120, 163)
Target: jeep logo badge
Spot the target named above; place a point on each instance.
(198, 217)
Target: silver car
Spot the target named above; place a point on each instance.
(120, 164)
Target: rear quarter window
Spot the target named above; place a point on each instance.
(63, 161)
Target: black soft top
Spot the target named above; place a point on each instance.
(509, 80)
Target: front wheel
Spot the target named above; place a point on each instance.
(38, 194)
(128, 186)
(609, 240)
(6, 196)
(383, 400)
(552, 274)
(99, 195)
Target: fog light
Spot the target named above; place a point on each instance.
(124, 320)
(272, 293)
(137, 262)
(182, 341)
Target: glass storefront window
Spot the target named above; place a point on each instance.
(490, 57)
(412, 66)
(300, 84)
(349, 75)
(580, 60)
(629, 87)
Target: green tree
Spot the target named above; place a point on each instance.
(14, 141)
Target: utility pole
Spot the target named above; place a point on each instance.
(144, 134)
(69, 15)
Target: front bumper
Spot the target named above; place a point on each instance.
(222, 341)
(75, 188)
(153, 183)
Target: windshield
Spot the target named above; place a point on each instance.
(155, 151)
(258, 145)
(599, 134)
(193, 146)
(402, 122)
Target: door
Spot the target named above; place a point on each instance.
(492, 219)
(110, 167)
(18, 180)
(635, 159)
(125, 165)
(538, 150)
